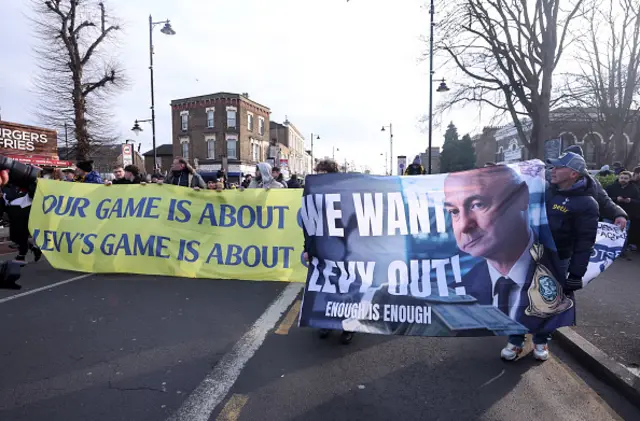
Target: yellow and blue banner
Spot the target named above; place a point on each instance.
(167, 230)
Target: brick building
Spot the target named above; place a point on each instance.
(221, 130)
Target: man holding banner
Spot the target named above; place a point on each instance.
(573, 219)
(489, 211)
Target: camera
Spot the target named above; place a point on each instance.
(21, 175)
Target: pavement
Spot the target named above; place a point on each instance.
(608, 311)
(135, 348)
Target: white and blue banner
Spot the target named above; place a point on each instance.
(460, 254)
(609, 245)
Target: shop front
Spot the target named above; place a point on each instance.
(30, 145)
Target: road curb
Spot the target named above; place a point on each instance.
(600, 363)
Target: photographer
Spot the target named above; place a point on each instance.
(17, 202)
(18, 182)
(18, 208)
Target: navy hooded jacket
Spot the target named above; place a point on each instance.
(573, 219)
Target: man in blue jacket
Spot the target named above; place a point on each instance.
(573, 219)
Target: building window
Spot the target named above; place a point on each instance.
(255, 152)
(231, 116)
(184, 146)
(211, 146)
(590, 142)
(232, 146)
(184, 120)
(261, 126)
(250, 121)
(210, 115)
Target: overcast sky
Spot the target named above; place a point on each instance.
(336, 68)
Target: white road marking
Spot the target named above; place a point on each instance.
(33, 291)
(493, 379)
(213, 389)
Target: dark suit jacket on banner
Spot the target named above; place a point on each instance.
(477, 283)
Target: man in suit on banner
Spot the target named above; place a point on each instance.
(489, 211)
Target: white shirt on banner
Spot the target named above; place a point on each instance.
(518, 274)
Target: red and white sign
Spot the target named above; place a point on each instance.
(40, 161)
(127, 154)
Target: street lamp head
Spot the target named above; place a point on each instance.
(317, 137)
(167, 29)
(136, 128)
(383, 129)
(442, 87)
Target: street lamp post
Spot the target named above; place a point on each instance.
(137, 129)
(313, 162)
(390, 127)
(443, 86)
(167, 30)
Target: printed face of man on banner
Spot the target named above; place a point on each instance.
(489, 213)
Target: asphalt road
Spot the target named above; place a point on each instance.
(113, 347)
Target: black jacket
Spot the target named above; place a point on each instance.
(616, 190)
(573, 218)
(608, 208)
(137, 180)
(294, 184)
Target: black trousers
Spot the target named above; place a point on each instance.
(19, 227)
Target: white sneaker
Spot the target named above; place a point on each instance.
(541, 352)
(510, 352)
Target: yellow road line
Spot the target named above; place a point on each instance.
(231, 411)
(289, 319)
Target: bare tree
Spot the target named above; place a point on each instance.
(606, 85)
(77, 77)
(507, 52)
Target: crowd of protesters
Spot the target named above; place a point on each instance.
(181, 174)
(625, 191)
(575, 201)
